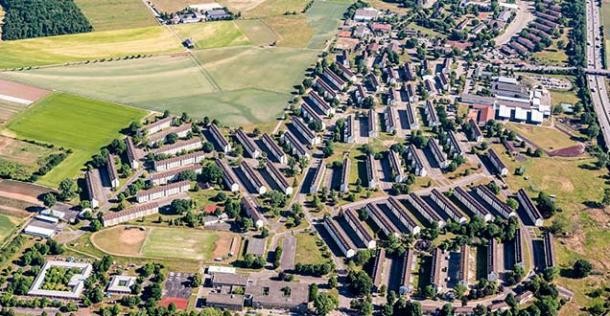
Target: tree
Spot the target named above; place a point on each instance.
(359, 282)
(581, 268)
(362, 257)
(313, 292)
(211, 173)
(67, 189)
(606, 198)
(49, 199)
(429, 291)
(325, 303)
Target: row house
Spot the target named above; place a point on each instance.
(179, 147)
(163, 191)
(279, 178)
(219, 138)
(275, 149)
(179, 161)
(253, 178)
(416, 162)
(247, 143)
(228, 176)
(312, 115)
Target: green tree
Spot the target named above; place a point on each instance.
(67, 189)
(325, 303)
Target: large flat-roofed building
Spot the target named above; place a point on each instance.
(158, 125)
(269, 294)
(416, 161)
(247, 143)
(228, 175)
(163, 191)
(495, 160)
(95, 191)
(73, 288)
(279, 178)
(365, 236)
(253, 177)
(471, 204)
(179, 161)
(130, 214)
(228, 301)
(500, 207)
(275, 150)
(531, 211)
(345, 244)
(121, 284)
(447, 206)
(219, 138)
(179, 147)
(251, 209)
(365, 14)
(425, 210)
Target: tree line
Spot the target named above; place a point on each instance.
(39, 18)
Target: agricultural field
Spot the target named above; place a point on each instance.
(30, 157)
(276, 7)
(257, 31)
(8, 110)
(212, 35)
(161, 242)
(7, 226)
(116, 14)
(75, 123)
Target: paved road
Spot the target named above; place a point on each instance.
(289, 249)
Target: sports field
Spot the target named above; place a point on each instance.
(116, 14)
(73, 122)
(7, 226)
(162, 242)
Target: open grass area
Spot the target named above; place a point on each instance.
(80, 124)
(547, 138)
(276, 7)
(116, 14)
(213, 34)
(559, 97)
(324, 18)
(7, 226)
(294, 31)
(29, 156)
(307, 249)
(87, 46)
(257, 31)
(159, 242)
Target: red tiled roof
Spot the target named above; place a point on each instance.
(486, 114)
(210, 209)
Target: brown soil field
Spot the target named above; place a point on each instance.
(27, 192)
(223, 245)
(129, 239)
(572, 151)
(21, 91)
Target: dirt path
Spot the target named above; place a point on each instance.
(522, 19)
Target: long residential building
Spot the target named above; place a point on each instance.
(471, 204)
(179, 161)
(425, 210)
(436, 277)
(159, 138)
(476, 134)
(253, 177)
(133, 154)
(228, 176)
(164, 177)
(113, 175)
(448, 207)
(219, 138)
(349, 133)
(391, 119)
(398, 172)
(158, 125)
(325, 89)
(549, 253)
(431, 116)
(247, 143)
(371, 172)
(279, 178)
(309, 135)
(275, 149)
(251, 209)
(320, 103)
(163, 191)
(295, 145)
(416, 162)
(383, 222)
(518, 246)
(411, 117)
(408, 261)
(310, 114)
(316, 183)
(455, 146)
(400, 212)
(340, 237)
(464, 264)
(334, 78)
(130, 214)
(497, 163)
(531, 211)
(438, 154)
(345, 170)
(378, 269)
(94, 188)
(180, 146)
(373, 128)
(493, 260)
(500, 207)
(365, 236)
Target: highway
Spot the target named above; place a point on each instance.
(597, 83)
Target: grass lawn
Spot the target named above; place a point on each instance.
(559, 97)
(73, 122)
(324, 18)
(213, 34)
(87, 46)
(276, 7)
(116, 14)
(546, 137)
(7, 226)
(294, 31)
(308, 251)
(179, 243)
(257, 31)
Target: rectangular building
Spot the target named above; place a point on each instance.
(130, 214)
(343, 241)
(383, 222)
(251, 209)
(275, 150)
(431, 116)
(416, 162)
(295, 145)
(219, 138)
(408, 261)
(493, 260)
(334, 78)
(398, 173)
(159, 138)
(94, 188)
(464, 264)
(228, 176)
(179, 161)
(163, 191)
(500, 207)
(471, 204)
(447, 206)
(497, 163)
(436, 277)
(133, 154)
(455, 146)
(371, 172)
(309, 135)
(373, 128)
(318, 177)
(253, 177)
(320, 103)
(378, 269)
(400, 212)
(531, 211)
(425, 210)
(158, 125)
(310, 114)
(549, 253)
(113, 175)
(411, 116)
(349, 133)
(182, 146)
(279, 178)
(365, 236)
(247, 143)
(476, 134)
(164, 177)
(345, 170)
(391, 119)
(438, 154)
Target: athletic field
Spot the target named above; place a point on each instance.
(73, 122)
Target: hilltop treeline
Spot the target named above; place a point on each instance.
(37, 18)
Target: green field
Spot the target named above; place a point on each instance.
(179, 243)
(7, 226)
(257, 31)
(212, 35)
(116, 14)
(323, 17)
(308, 251)
(73, 122)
